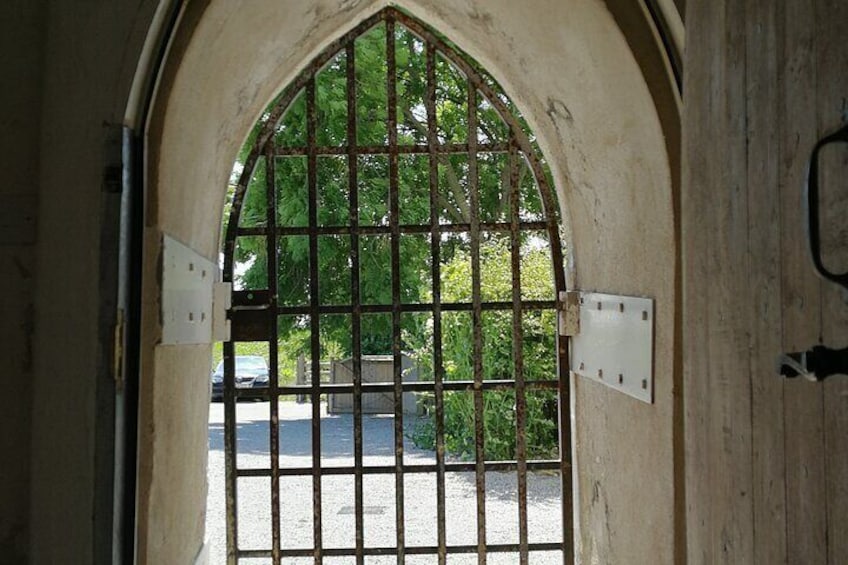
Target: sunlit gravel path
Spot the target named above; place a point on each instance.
(338, 528)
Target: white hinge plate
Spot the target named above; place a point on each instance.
(615, 343)
(222, 301)
(187, 287)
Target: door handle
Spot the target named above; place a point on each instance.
(811, 201)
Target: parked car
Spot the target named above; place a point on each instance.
(251, 372)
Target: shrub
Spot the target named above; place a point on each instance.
(539, 341)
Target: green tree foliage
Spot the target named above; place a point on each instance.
(538, 341)
(453, 206)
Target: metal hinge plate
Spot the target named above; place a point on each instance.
(614, 341)
(222, 301)
(187, 289)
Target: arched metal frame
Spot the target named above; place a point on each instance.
(254, 313)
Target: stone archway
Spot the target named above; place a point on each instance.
(584, 92)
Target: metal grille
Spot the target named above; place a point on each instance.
(256, 312)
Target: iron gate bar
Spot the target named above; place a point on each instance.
(231, 493)
(426, 307)
(564, 447)
(274, 432)
(550, 210)
(516, 132)
(411, 550)
(439, 148)
(274, 116)
(418, 468)
(435, 266)
(262, 305)
(314, 320)
(389, 387)
(356, 328)
(518, 356)
(394, 222)
(386, 230)
(476, 325)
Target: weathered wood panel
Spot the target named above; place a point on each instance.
(715, 220)
(836, 445)
(766, 460)
(805, 493)
(695, 227)
(730, 390)
(832, 105)
(764, 26)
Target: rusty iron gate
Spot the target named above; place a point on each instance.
(256, 312)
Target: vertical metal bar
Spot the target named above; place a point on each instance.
(129, 300)
(315, 395)
(230, 475)
(565, 449)
(477, 325)
(435, 252)
(230, 451)
(518, 352)
(356, 329)
(394, 225)
(273, 382)
(108, 444)
(563, 374)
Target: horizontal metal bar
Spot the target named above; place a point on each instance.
(493, 227)
(413, 550)
(417, 307)
(388, 387)
(455, 467)
(415, 149)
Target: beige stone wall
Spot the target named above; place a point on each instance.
(570, 70)
(566, 65)
(176, 412)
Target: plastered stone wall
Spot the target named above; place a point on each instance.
(177, 447)
(88, 57)
(566, 65)
(20, 46)
(570, 70)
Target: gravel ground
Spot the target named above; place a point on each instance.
(544, 516)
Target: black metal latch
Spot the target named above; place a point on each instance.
(820, 362)
(815, 364)
(811, 202)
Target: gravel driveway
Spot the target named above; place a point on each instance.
(379, 492)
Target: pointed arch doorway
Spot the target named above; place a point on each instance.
(391, 202)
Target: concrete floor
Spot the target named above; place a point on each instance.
(254, 517)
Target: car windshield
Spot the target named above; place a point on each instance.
(245, 363)
(250, 363)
